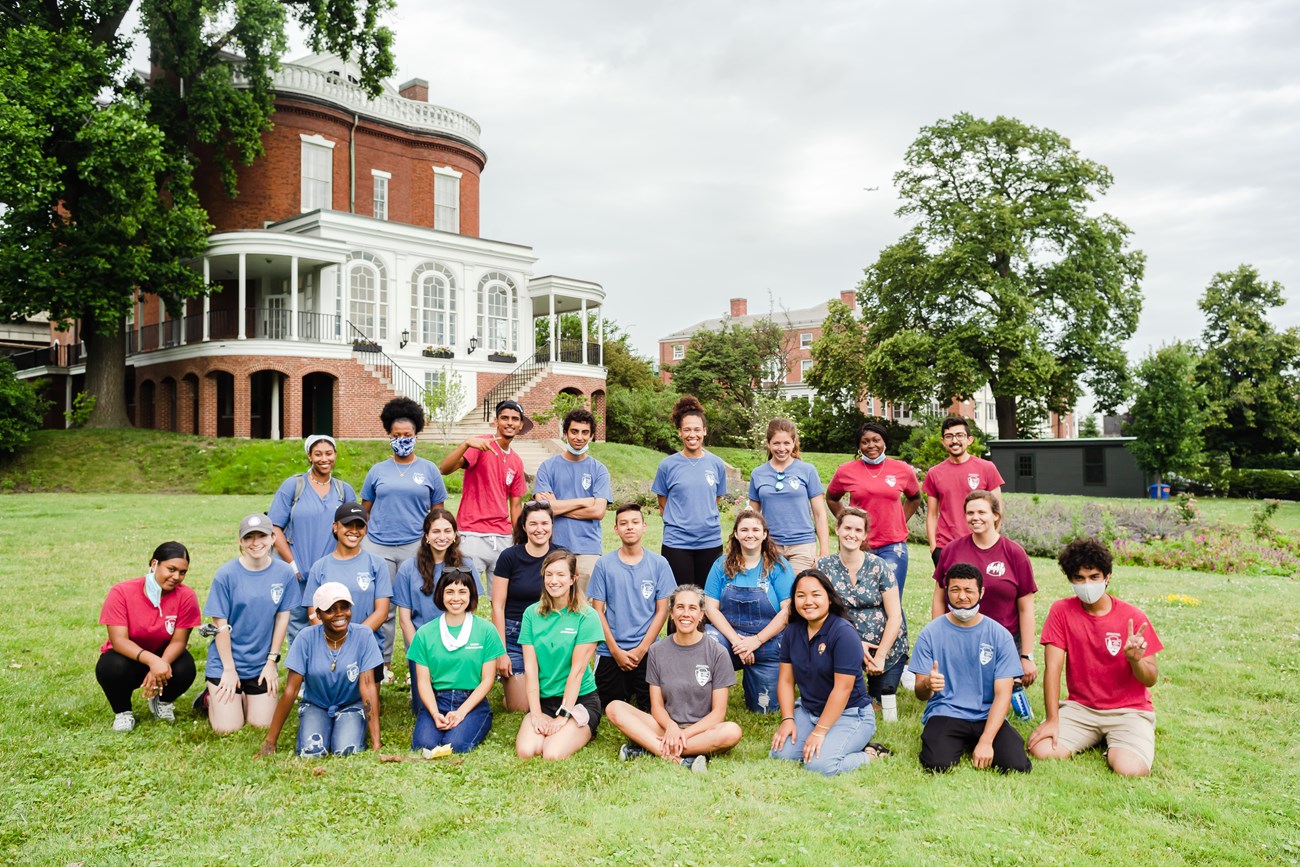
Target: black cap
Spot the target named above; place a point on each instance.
(349, 513)
(519, 408)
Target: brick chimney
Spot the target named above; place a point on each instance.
(849, 297)
(416, 89)
(739, 307)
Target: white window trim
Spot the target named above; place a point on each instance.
(679, 351)
(448, 170)
(805, 339)
(317, 140)
(381, 174)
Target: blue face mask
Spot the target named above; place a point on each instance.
(153, 590)
(403, 446)
(866, 460)
(571, 450)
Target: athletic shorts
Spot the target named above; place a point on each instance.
(1081, 727)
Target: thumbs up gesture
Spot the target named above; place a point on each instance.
(1135, 646)
(936, 679)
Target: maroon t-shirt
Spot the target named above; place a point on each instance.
(1008, 575)
(151, 628)
(950, 483)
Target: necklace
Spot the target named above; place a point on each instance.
(334, 651)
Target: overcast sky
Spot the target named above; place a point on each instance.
(683, 153)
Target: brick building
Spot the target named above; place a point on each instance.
(348, 270)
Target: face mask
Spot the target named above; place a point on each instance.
(874, 463)
(1089, 591)
(965, 615)
(153, 590)
(403, 446)
(571, 450)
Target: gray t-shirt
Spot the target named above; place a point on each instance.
(688, 676)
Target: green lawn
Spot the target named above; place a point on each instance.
(1225, 788)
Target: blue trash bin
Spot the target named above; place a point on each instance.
(1158, 492)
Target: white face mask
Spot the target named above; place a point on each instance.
(1089, 591)
(965, 614)
(571, 450)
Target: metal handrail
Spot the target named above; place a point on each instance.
(516, 379)
(371, 353)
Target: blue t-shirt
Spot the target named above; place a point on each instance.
(970, 659)
(630, 594)
(401, 494)
(365, 576)
(788, 515)
(311, 657)
(835, 649)
(407, 593)
(249, 602)
(309, 523)
(692, 487)
(574, 480)
(778, 583)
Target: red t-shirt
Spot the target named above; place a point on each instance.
(1008, 575)
(126, 605)
(875, 490)
(1097, 672)
(491, 479)
(950, 483)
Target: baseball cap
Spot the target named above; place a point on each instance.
(517, 407)
(255, 524)
(329, 593)
(350, 513)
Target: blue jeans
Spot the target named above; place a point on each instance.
(513, 649)
(464, 737)
(896, 557)
(841, 748)
(337, 730)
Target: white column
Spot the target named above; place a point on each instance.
(584, 331)
(207, 301)
(600, 332)
(293, 297)
(275, 407)
(243, 296)
(554, 323)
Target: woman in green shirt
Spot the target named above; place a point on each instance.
(455, 658)
(559, 636)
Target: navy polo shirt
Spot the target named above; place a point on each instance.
(835, 649)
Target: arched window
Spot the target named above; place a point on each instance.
(368, 295)
(498, 313)
(433, 305)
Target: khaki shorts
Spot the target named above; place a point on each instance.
(1082, 727)
(801, 557)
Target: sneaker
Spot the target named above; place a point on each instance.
(163, 711)
(124, 722)
(628, 752)
(388, 675)
(697, 764)
(201, 702)
(908, 680)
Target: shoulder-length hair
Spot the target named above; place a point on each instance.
(456, 575)
(424, 554)
(577, 601)
(735, 562)
(837, 604)
(520, 537)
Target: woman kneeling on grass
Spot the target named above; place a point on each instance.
(249, 606)
(455, 660)
(829, 727)
(689, 679)
(559, 636)
(336, 660)
(149, 621)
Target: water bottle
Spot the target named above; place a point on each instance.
(1020, 703)
(889, 708)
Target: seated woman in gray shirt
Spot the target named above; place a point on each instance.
(689, 678)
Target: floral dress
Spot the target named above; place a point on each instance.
(865, 599)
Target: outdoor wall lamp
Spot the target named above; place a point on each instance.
(473, 344)
(406, 338)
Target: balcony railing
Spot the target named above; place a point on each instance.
(54, 355)
(260, 323)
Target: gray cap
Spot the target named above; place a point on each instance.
(258, 523)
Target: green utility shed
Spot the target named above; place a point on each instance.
(1095, 467)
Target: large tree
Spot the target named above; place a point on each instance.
(1006, 278)
(1248, 368)
(96, 165)
(1168, 413)
(726, 369)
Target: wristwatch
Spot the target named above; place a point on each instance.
(563, 712)
(1026, 656)
(273, 657)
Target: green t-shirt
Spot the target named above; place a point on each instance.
(461, 668)
(553, 638)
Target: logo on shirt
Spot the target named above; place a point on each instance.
(169, 623)
(647, 589)
(363, 580)
(986, 653)
(586, 481)
(997, 569)
(1113, 643)
(702, 675)
(711, 477)
(821, 648)
(277, 593)
(418, 478)
(510, 477)
(568, 630)
(973, 479)
(891, 480)
(353, 672)
(794, 483)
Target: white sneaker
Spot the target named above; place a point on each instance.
(388, 675)
(163, 711)
(698, 765)
(908, 680)
(124, 722)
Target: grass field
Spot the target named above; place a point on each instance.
(1225, 788)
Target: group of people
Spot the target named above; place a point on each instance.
(575, 632)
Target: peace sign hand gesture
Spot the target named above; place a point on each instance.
(1135, 646)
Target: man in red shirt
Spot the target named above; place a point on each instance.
(948, 482)
(1107, 648)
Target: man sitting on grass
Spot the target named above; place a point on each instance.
(965, 664)
(1109, 667)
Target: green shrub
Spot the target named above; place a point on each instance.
(640, 417)
(82, 406)
(22, 408)
(1264, 484)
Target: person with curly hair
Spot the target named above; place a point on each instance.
(689, 484)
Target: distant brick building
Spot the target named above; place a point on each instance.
(348, 270)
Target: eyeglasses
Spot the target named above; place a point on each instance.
(953, 437)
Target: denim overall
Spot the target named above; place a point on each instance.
(749, 610)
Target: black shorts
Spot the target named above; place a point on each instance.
(591, 701)
(250, 686)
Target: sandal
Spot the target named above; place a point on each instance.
(877, 750)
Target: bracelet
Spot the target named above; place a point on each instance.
(1026, 656)
(138, 655)
(820, 726)
(784, 718)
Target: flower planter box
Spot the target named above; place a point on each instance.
(438, 353)
(365, 346)
(497, 356)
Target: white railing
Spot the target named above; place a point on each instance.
(301, 80)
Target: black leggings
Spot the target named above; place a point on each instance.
(120, 676)
(691, 565)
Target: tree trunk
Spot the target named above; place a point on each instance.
(1006, 409)
(106, 371)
